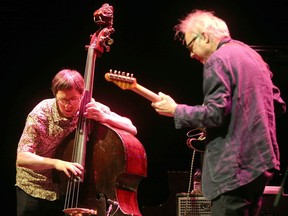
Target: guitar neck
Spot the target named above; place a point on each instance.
(146, 93)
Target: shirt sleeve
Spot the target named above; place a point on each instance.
(27, 142)
(217, 100)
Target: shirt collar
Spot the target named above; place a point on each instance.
(223, 41)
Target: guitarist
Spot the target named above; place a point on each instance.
(240, 102)
(46, 127)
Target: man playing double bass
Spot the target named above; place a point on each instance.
(46, 127)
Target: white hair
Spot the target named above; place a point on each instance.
(199, 21)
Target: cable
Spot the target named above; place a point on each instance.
(190, 183)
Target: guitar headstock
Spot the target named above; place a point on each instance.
(121, 79)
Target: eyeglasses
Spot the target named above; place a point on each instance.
(191, 43)
(72, 101)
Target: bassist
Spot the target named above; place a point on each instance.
(46, 127)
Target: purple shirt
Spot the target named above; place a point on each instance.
(238, 113)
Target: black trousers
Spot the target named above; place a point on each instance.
(244, 201)
(31, 206)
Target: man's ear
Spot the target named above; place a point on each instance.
(205, 37)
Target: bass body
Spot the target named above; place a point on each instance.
(115, 164)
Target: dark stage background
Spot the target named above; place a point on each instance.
(38, 38)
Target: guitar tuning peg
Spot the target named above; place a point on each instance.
(127, 74)
(132, 75)
(123, 74)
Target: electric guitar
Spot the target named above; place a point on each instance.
(128, 81)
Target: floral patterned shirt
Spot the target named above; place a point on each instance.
(44, 131)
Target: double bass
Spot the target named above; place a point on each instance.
(114, 160)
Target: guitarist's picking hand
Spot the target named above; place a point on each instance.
(166, 106)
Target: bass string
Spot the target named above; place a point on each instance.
(72, 193)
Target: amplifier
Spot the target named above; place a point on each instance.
(192, 205)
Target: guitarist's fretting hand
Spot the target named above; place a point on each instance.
(166, 106)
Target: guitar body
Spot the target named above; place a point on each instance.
(115, 164)
(196, 139)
